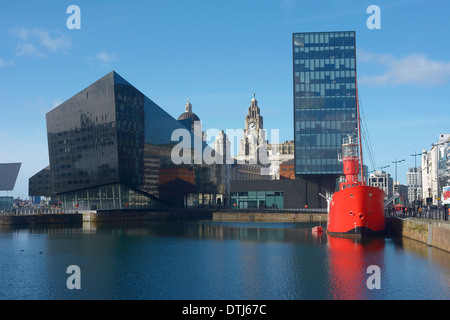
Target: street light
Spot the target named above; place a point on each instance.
(396, 167)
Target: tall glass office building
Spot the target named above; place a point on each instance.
(110, 147)
(324, 99)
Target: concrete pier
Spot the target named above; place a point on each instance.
(34, 219)
(137, 215)
(269, 217)
(102, 216)
(434, 233)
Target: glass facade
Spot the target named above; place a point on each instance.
(324, 99)
(6, 203)
(40, 183)
(110, 147)
(257, 199)
(110, 197)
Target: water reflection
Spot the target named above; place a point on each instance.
(216, 260)
(348, 263)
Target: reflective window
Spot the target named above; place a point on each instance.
(328, 96)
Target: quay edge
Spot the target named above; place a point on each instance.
(34, 219)
(101, 216)
(269, 217)
(142, 215)
(434, 233)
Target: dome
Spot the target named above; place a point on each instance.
(188, 115)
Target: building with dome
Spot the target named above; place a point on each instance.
(191, 121)
(110, 147)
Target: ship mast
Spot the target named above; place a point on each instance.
(359, 132)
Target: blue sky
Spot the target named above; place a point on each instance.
(217, 53)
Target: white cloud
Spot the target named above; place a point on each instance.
(4, 63)
(105, 57)
(413, 69)
(28, 49)
(60, 43)
(38, 42)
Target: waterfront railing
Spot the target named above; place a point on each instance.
(429, 214)
(273, 210)
(34, 211)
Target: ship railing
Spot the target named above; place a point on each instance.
(348, 140)
(347, 155)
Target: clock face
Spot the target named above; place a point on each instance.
(252, 125)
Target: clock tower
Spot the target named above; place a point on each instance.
(253, 120)
(254, 135)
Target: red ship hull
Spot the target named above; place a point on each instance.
(356, 211)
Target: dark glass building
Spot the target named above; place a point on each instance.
(8, 175)
(110, 147)
(40, 184)
(324, 100)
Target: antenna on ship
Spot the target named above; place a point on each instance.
(359, 131)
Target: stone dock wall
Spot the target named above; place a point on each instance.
(114, 216)
(102, 216)
(40, 219)
(431, 232)
(269, 217)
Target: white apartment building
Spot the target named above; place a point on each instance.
(435, 169)
(382, 180)
(414, 183)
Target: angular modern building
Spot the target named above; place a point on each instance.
(8, 177)
(324, 73)
(110, 147)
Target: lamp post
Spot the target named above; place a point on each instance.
(398, 184)
(397, 161)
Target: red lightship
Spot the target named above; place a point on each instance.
(356, 209)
